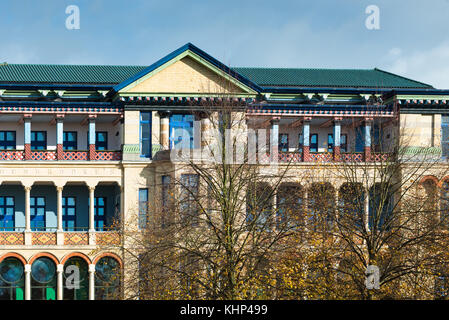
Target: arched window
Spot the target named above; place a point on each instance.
(43, 279)
(380, 207)
(76, 279)
(444, 216)
(290, 206)
(352, 205)
(259, 207)
(321, 204)
(12, 280)
(107, 279)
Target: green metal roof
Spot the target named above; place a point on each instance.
(366, 78)
(102, 74)
(67, 74)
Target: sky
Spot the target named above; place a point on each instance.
(412, 39)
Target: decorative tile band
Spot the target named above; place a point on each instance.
(12, 238)
(108, 238)
(43, 238)
(76, 238)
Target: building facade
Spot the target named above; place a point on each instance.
(80, 147)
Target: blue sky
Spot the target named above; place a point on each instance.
(413, 39)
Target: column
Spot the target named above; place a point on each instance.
(305, 139)
(91, 209)
(274, 140)
(91, 282)
(27, 136)
(205, 132)
(27, 282)
(337, 138)
(367, 139)
(27, 209)
(59, 136)
(92, 137)
(59, 207)
(165, 130)
(366, 211)
(60, 288)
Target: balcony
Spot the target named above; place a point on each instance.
(73, 155)
(297, 157)
(73, 215)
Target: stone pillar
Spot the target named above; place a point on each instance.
(306, 139)
(367, 139)
(165, 130)
(366, 211)
(60, 137)
(60, 229)
(27, 136)
(91, 282)
(274, 140)
(92, 137)
(91, 209)
(27, 282)
(205, 132)
(27, 208)
(59, 207)
(60, 288)
(337, 139)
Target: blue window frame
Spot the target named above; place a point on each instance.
(7, 140)
(143, 207)
(37, 213)
(100, 213)
(7, 210)
(145, 134)
(181, 127)
(314, 142)
(101, 140)
(70, 141)
(38, 140)
(330, 142)
(189, 193)
(283, 142)
(69, 213)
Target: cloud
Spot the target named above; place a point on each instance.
(429, 66)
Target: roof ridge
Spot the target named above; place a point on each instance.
(272, 68)
(397, 75)
(69, 65)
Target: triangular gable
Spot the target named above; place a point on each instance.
(188, 70)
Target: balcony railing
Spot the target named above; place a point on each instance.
(70, 238)
(75, 155)
(296, 157)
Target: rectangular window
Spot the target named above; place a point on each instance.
(166, 197)
(283, 142)
(7, 210)
(70, 141)
(314, 142)
(181, 131)
(100, 213)
(300, 138)
(37, 213)
(143, 207)
(189, 194)
(101, 140)
(145, 134)
(7, 140)
(69, 213)
(38, 140)
(344, 143)
(330, 142)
